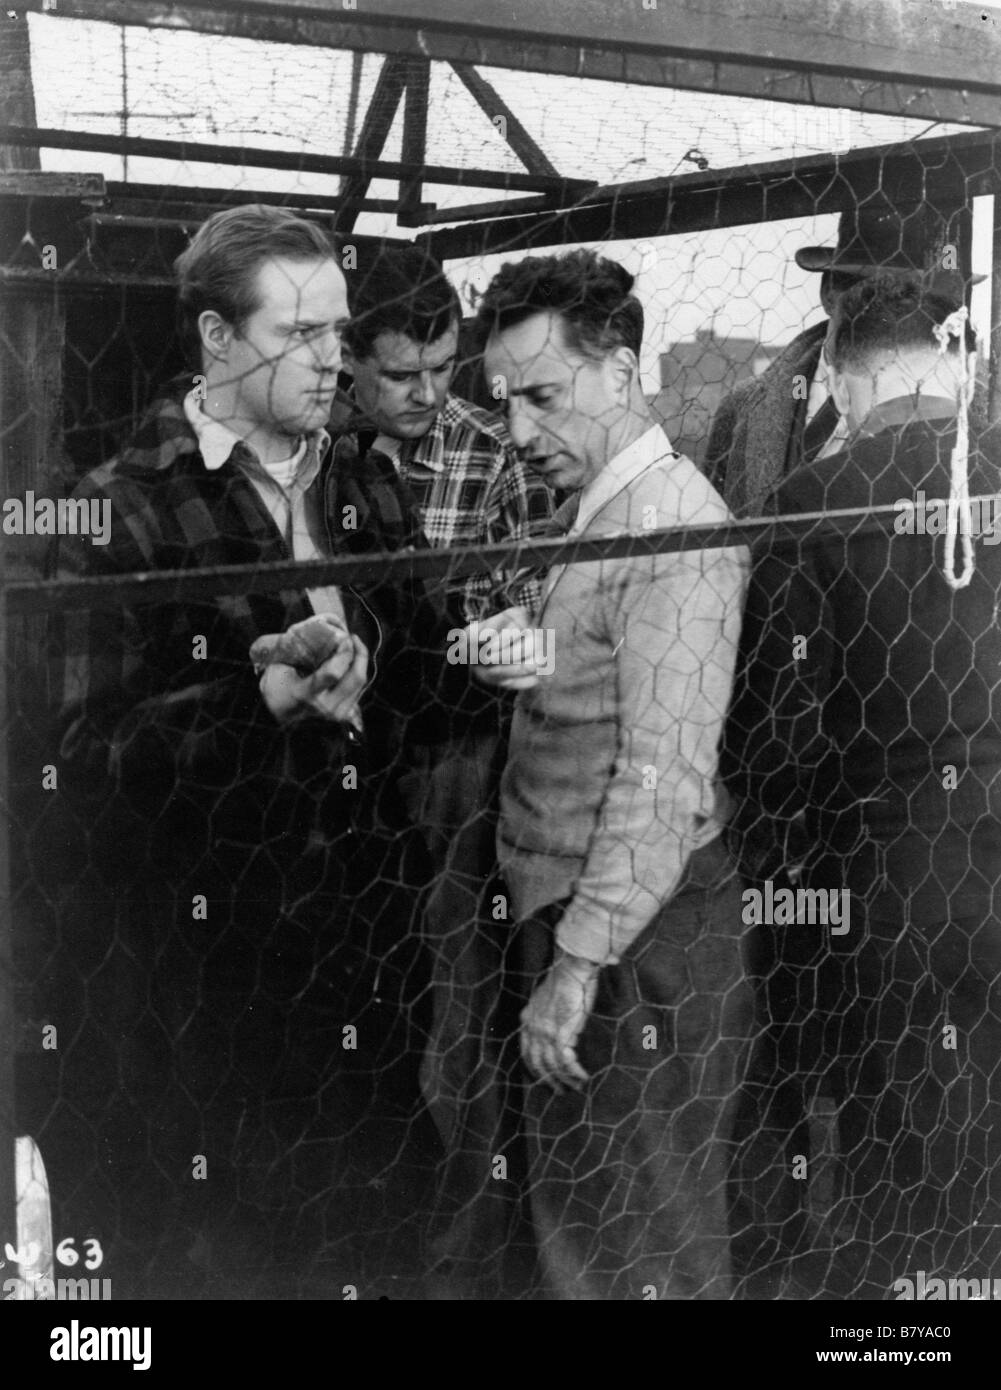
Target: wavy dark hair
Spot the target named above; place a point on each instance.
(403, 290)
(592, 295)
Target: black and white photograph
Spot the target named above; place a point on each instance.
(500, 661)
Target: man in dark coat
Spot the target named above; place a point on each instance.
(786, 416)
(864, 751)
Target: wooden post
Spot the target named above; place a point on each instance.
(31, 359)
(17, 96)
(31, 402)
(17, 106)
(994, 405)
(8, 1023)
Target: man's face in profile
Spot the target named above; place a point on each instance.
(561, 403)
(402, 384)
(286, 355)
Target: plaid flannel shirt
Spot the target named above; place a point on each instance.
(146, 708)
(472, 489)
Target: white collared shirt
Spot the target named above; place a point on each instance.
(618, 472)
(652, 446)
(820, 389)
(281, 487)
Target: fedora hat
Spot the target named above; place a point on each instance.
(906, 241)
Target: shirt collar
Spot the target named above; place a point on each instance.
(428, 450)
(216, 441)
(822, 376)
(904, 410)
(619, 472)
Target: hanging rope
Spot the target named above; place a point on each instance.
(959, 481)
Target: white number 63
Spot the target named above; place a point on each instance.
(67, 1255)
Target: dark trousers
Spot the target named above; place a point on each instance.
(901, 1023)
(627, 1178)
(467, 1062)
(198, 1020)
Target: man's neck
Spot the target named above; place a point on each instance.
(906, 410)
(934, 378)
(269, 444)
(634, 426)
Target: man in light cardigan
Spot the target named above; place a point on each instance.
(610, 836)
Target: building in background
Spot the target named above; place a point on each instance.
(695, 375)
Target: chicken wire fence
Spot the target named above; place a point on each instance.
(231, 1044)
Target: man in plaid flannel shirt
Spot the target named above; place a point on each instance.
(204, 834)
(471, 488)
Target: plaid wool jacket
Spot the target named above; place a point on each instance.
(159, 703)
(471, 489)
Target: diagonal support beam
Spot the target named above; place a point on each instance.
(372, 138)
(492, 104)
(411, 212)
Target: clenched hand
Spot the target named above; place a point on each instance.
(553, 1019)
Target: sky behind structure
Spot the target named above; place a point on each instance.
(743, 282)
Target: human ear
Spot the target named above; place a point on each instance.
(624, 368)
(215, 333)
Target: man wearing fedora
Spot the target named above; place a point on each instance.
(786, 416)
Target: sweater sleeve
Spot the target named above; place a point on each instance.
(674, 621)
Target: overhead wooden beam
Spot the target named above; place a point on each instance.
(501, 207)
(37, 183)
(18, 282)
(902, 57)
(175, 205)
(302, 162)
(119, 192)
(492, 104)
(953, 169)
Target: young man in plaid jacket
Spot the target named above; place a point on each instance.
(211, 805)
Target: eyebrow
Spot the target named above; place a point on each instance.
(339, 324)
(535, 386)
(416, 371)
